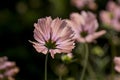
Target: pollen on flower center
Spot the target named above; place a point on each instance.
(84, 33)
(111, 16)
(50, 44)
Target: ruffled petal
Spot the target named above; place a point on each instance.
(39, 47)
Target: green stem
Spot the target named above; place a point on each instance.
(85, 62)
(46, 59)
(60, 77)
(91, 72)
(113, 54)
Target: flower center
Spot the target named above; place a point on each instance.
(111, 16)
(50, 44)
(84, 33)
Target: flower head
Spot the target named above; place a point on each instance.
(53, 36)
(111, 17)
(117, 64)
(83, 3)
(7, 69)
(85, 25)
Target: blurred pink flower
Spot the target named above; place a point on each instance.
(83, 3)
(111, 5)
(111, 17)
(7, 69)
(106, 17)
(85, 25)
(117, 64)
(53, 36)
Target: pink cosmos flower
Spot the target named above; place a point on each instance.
(117, 64)
(111, 17)
(85, 25)
(53, 36)
(111, 5)
(105, 17)
(83, 3)
(7, 69)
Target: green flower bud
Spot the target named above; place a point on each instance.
(98, 51)
(67, 57)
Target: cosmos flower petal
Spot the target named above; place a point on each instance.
(84, 3)
(38, 28)
(81, 39)
(90, 38)
(43, 24)
(77, 19)
(38, 36)
(68, 48)
(91, 23)
(53, 52)
(63, 33)
(39, 47)
(65, 50)
(61, 41)
(92, 27)
(105, 17)
(116, 24)
(117, 61)
(117, 68)
(98, 34)
(56, 27)
(72, 25)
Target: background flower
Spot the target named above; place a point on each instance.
(8, 69)
(85, 26)
(111, 16)
(84, 3)
(117, 63)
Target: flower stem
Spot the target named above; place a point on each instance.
(46, 59)
(60, 77)
(113, 54)
(91, 72)
(85, 62)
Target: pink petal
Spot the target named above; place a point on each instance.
(81, 39)
(56, 27)
(39, 47)
(44, 24)
(117, 61)
(77, 18)
(91, 37)
(117, 68)
(53, 52)
(39, 37)
(105, 17)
